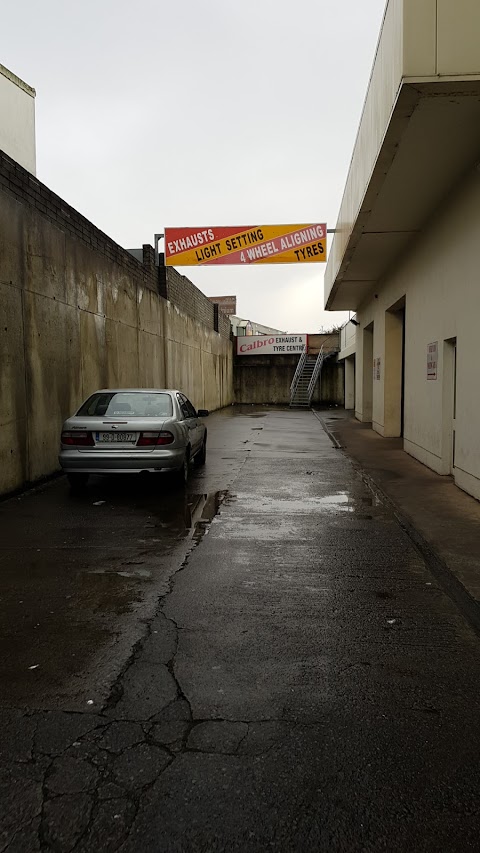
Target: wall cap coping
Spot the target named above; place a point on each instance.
(17, 81)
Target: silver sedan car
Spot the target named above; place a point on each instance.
(133, 430)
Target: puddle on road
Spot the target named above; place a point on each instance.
(187, 517)
(202, 510)
(339, 502)
(340, 499)
(65, 607)
(256, 531)
(141, 574)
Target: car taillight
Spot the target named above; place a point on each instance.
(78, 438)
(153, 439)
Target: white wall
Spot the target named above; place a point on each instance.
(348, 335)
(440, 280)
(419, 40)
(17, 120)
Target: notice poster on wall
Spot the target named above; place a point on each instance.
(376, 368)
(432, 360)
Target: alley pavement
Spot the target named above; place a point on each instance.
(440, 517)
(267, 662)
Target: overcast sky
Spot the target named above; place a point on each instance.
(155, 114)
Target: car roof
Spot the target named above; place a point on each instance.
(136, 390)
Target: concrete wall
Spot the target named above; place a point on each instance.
(329, 342)
(17, 119)
(177, 288)
(78, 313)
(438, 283)
(349, 367)
(267, 379)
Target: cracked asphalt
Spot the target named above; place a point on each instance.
(263, 663)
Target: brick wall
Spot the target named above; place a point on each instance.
(177, 288)
(183, 293)
(169, 283)
(29, 190)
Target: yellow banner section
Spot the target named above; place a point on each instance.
(262, 244)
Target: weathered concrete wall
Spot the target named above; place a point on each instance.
(78, 313)
(329, 341)
(267, 379)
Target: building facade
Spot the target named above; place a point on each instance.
(227, 304)
(240, 327)
(406, 255)
(347, 355)
(17, 120)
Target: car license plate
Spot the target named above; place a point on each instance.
(116, 437)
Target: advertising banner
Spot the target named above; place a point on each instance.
(256, 244)
(271, 344)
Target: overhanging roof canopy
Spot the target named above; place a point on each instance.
(417, 139)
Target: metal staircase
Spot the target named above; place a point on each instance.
(305, 379)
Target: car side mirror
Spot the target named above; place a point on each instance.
(202, 413)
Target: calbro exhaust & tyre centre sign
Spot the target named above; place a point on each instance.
(271, 344)
(255, 244)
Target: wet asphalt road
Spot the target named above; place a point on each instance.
(264, 663)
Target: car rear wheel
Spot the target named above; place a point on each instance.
(181, 475)
(77, 480)
(201, 456)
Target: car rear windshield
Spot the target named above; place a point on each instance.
(129, 404)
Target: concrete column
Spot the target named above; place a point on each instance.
(393, 373)
(350, 382)
(448, 406)
(365, 385)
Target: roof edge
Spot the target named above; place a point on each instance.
(18, 82)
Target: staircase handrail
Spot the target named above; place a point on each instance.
(315, 374)
(298, 372)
